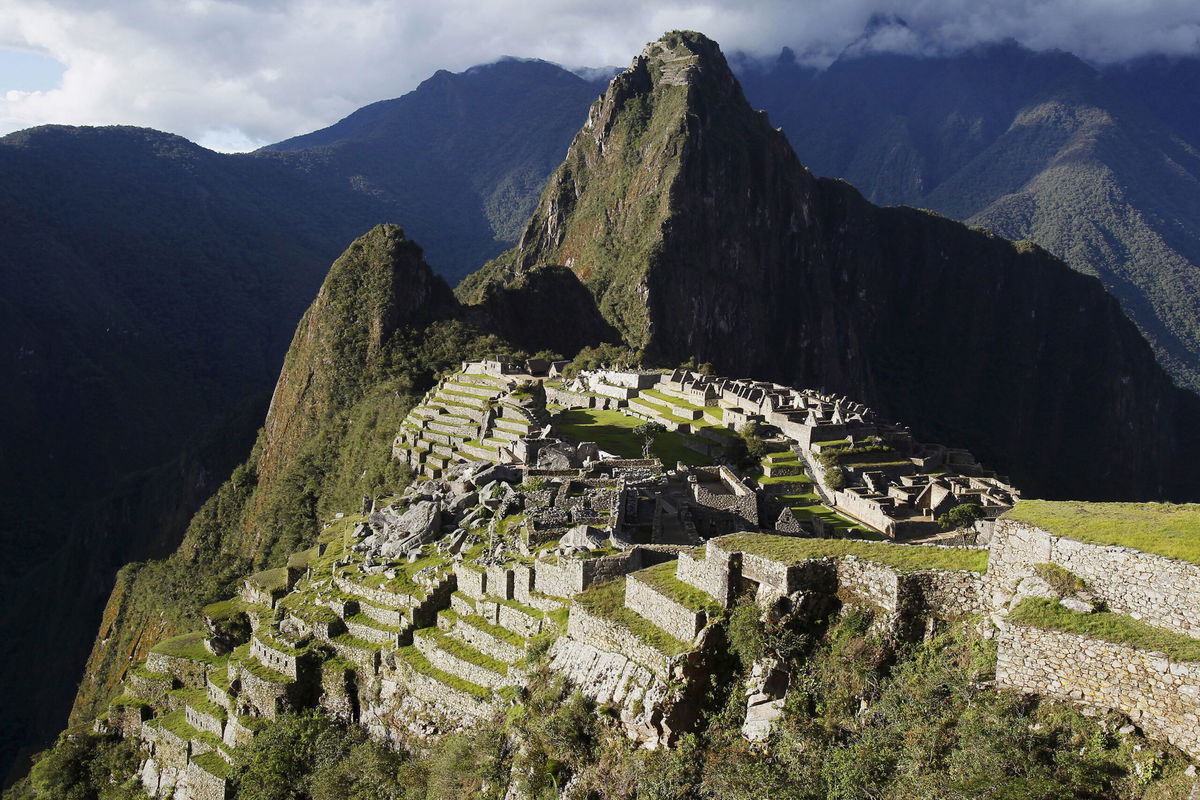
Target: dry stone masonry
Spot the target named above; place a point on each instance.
(521, 546)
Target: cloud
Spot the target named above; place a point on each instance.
(238, 73)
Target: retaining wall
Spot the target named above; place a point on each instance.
(1160, 695)
(1160, 591)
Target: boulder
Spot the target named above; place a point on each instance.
(583, 537)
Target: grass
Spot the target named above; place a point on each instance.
(675, 401)
(1164, 529)
(783, 479)
(212, 763)
(224, 609)
(418, 662)
(198, 699)
(176, 722)
(495, 631)
(463, 651)
(903, 558)
(1040, 612)
(272, 580)
(142, 671)
(613, 431)
(661, 578)
(607, 600)
(189, 646)
(129, 700)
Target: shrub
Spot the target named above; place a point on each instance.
(960, 516)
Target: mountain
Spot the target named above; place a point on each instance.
(1099, 166)
(360, 356)
(148, 288)
(461, 159)
(151, 287)
(699, 234)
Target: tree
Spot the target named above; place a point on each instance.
(648, 432)
(960, 516)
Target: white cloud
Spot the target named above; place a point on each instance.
(237, 73)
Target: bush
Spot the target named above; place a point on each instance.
(836, 477)
(960, 516)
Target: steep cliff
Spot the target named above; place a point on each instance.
(699, 233)
(380, 325)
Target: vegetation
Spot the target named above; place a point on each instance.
(904, 558)
(1165, 529)
(1062, 580)
(862, 720)
(1042, 612)
(607, 600)
(961, 516)
(613, 432)
(648, 432)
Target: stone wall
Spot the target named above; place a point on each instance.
(710, 573)
(189, 673)
(604, 635)
(471, 582)
(1160, 695)
(678, 620)
(570, 576)
(278, 660)
(949, 595)
(875, 583)
(267, 697)
(203, 785)
(1159, 591)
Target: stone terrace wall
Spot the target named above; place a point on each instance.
(603, 635)
(1161, 696)
(1159, 591)
(710, 573)
(948, 595)
(678, 620)
(875, 583)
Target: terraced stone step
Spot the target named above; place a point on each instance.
(514, 615)
(461, 659)
(499, 643)
(463, 387)
(520, 426)
(507, 436)
(412, 658)
(364, 627)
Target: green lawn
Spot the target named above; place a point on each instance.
(607, 600)
(904, 558)
(613, 431)
(189, 646)
(1164, 529)
(1040, 612)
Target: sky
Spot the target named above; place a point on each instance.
(236, 74)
